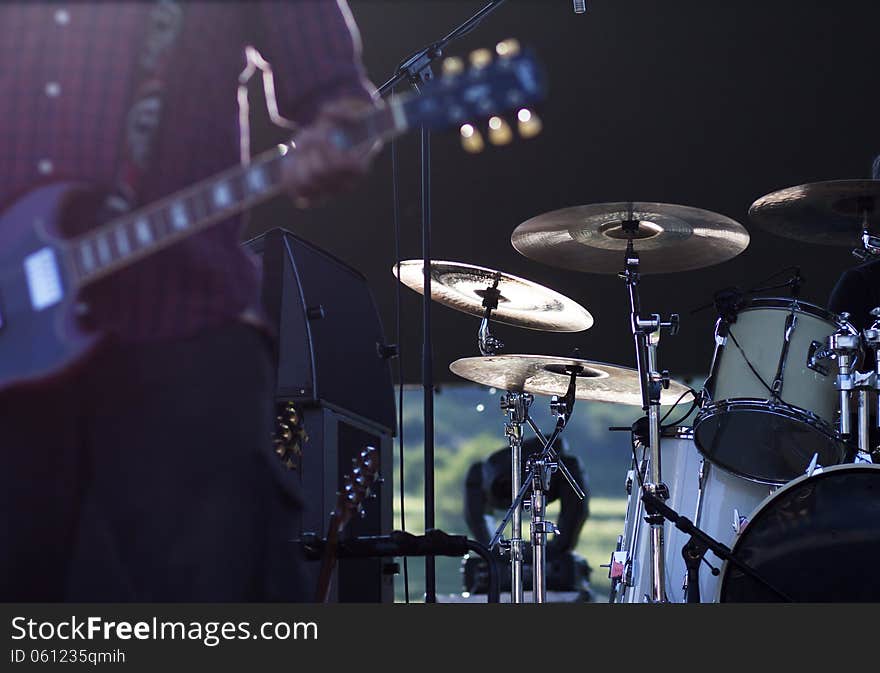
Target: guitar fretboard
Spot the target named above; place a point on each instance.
(128, 238)
(131, 237)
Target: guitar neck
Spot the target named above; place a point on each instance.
(508, 83)
(132, 237)
(328, 561)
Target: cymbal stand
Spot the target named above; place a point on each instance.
(517, 407)
(646, 334)
(487, 342)
(844, 345)
(872, 341)
(539, 470)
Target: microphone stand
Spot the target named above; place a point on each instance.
(417, 70)
(700, 541)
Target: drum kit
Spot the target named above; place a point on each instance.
(776, 469)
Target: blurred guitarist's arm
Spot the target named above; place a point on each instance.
(315, 50)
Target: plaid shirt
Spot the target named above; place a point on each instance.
(65, 88)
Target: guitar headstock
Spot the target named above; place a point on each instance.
(289, 435)
(482, 91)
(357, 486)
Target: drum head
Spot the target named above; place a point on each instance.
(816, 539)
(771, 445)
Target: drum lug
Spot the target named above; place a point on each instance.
(817, 352)
(813, 467)
(739, 522)
(617, 566)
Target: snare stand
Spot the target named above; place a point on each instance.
(646, 334)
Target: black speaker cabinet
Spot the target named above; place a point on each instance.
(332, 347)
(332, 364)
(334, 440)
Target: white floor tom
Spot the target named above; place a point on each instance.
(717, 501)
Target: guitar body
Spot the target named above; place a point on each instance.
(40, 337)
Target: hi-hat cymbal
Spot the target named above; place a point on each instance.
(547, 375)
(827, 213)
(521, 303)
(668, 238)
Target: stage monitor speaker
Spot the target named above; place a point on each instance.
(331, 346)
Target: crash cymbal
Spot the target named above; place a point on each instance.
(827, 213)
(668, 238)
(547, 375)
(521, 303)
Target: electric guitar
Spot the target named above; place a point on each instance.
(42, 273)
(357, 486)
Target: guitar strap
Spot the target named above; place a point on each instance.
(141, 125)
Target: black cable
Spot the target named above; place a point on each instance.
(395, 190)
(493, 592)
(690, 391)
(637, 464)
(758, 286)
(748, 362)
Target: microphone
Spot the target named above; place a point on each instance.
(580, 6)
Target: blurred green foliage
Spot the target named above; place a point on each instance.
(468, 427)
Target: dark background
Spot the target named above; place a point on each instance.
(707, 103)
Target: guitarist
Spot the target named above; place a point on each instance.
(147, 473)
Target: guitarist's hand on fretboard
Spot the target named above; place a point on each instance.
(318, 167)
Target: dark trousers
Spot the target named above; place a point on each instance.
(149, 476)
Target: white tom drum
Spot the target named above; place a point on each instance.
(717, 501)
(773, 405)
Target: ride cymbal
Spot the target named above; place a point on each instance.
(826, 213)
(667, 237)
(548, 375)
(521, 302)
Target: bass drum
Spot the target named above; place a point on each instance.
(715, 500)
(816, 540)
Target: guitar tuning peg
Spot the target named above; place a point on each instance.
(500, 132)
(508, 48)
(471, 140)
(528, 123)
(452, 66)
(480, 58)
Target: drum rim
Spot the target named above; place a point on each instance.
(787, 486)
(780, 409)
(786, 304)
